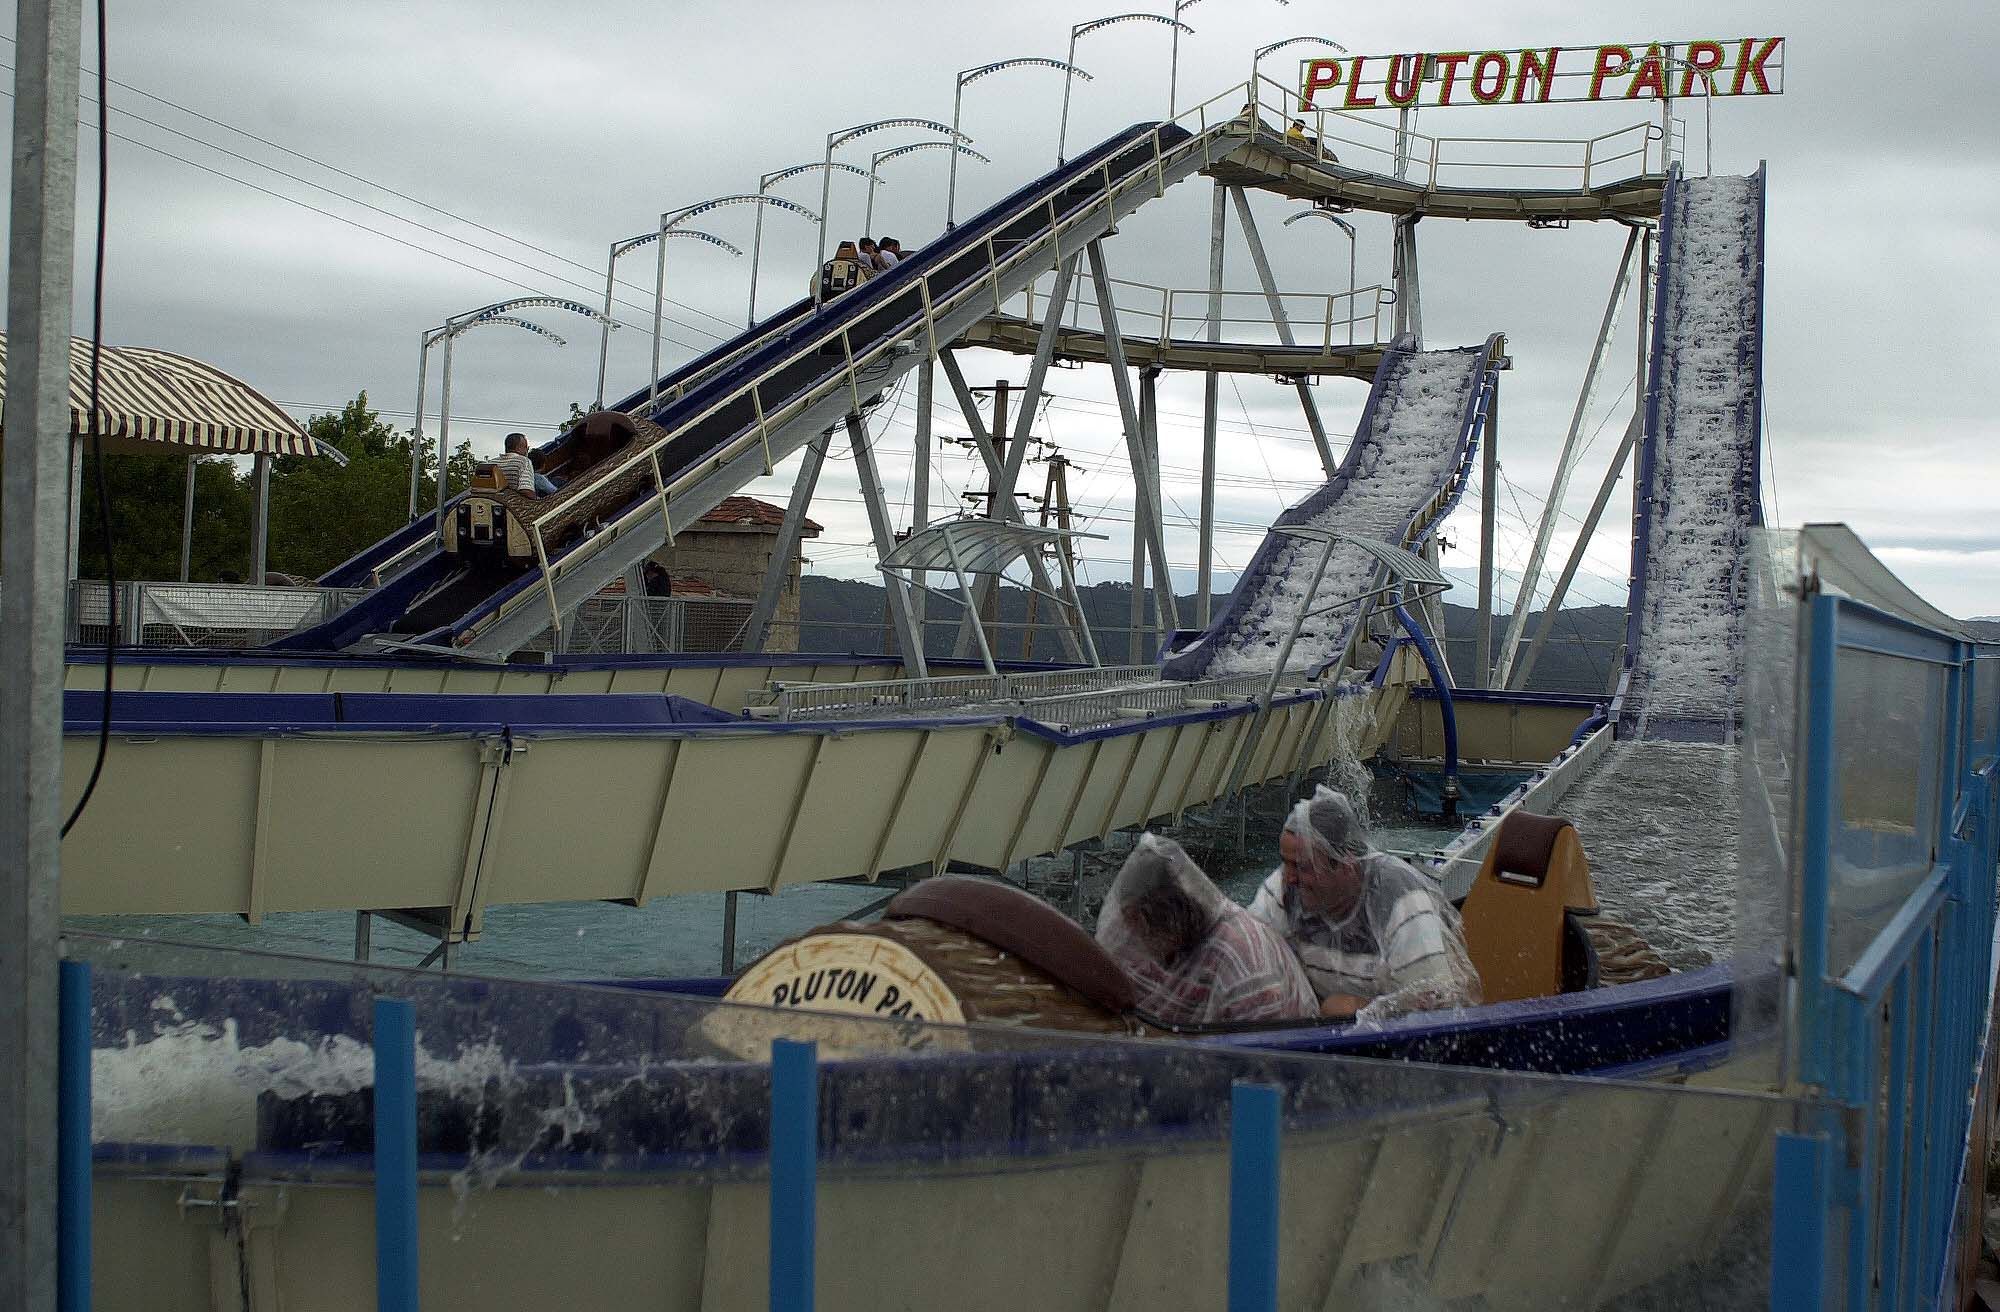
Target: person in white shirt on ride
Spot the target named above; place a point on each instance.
(1376, 937)
(519, 471)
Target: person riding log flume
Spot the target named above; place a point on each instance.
(1376, 937)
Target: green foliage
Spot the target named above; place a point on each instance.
(321, 513)
(146, 499)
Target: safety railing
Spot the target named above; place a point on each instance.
(154, 614)
(1083, 709)
(1578, 164)
(1165, 314)
(234, 616)
(1208, 122)
(1081, 696)
(1895, 861)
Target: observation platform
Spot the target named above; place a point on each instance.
(1086, 345)
(1266, 161)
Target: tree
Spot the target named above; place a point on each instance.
(147, 494)
(321, 513)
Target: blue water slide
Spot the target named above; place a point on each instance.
(704, 406)
(1741, 493)
(1191, 656)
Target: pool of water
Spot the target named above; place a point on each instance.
(682, 936)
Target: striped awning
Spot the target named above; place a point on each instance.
(148, 398)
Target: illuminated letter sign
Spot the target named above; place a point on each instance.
(1640, 70)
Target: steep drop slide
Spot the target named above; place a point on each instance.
(723, 419)
(1699, 491)
(1401, 475)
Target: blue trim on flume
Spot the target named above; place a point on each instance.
(1502, 697)
(394, 1093)
(560, 664)
(525, 715)
(1441, 689)
(794, 1172)
(1253, 1197)
(884, 307)
(73, 1154)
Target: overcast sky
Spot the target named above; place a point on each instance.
(509, 142)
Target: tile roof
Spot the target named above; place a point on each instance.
(750, 510)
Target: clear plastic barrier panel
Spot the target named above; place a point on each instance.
(593, 1148)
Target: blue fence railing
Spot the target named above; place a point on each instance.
(1893, 955)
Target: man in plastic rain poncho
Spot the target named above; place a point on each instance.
(1195, 956)
(1376, 937)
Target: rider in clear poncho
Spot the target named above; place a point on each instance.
(1196, 957)
(1376, 937)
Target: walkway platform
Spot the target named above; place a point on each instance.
(1270, 358)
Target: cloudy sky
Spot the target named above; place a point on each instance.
(304, 189)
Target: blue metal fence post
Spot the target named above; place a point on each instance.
(1253, 1198)
(73, 1137)
(1798, 1221)
(395, 1156)
(794, 1170)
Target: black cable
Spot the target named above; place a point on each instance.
(97, 439)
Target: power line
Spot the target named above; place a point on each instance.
(367, 182)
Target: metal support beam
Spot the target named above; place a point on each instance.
(1143, 480)
(1204, 563)
(1531, 574)
(786, 548)
(1489, 472)
(920, 473)
(40, 255)
(1002, 499)
(187, 522)
(1135, 624)
(1409, 316)
(260, 521)
(1612, 474)
(1283, 323)
(885, 542)
(977, 428)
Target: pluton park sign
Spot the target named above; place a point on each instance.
(1748, 66)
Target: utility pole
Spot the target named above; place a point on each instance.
(1055, 503)
(41, 248)
(989, 600)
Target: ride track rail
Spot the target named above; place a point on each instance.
(804, 371)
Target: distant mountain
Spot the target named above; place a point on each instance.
(845, 615)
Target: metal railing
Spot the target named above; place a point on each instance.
(236, 616)
(1066, 697)
(1892, 953)
(1577, 164)
(1347, 318)
(1206, 121)
(199, 614)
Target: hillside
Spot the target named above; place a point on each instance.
(846, 615)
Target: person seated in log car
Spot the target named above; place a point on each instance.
(519, 471)
(1194, 956)
(1376, 937)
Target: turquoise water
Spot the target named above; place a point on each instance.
(677, 936)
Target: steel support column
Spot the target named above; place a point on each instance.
(1204, 585)
(920, 472)
(1612, 474)
(41, 251)
(1489, 472)
(975, 426)
(1147, 515)
(1566, 465)
(187, 521)
(885, 542)
(1409, 316)
(260, 520)
(1283, 323)
(790, 532)
(1002, 499)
